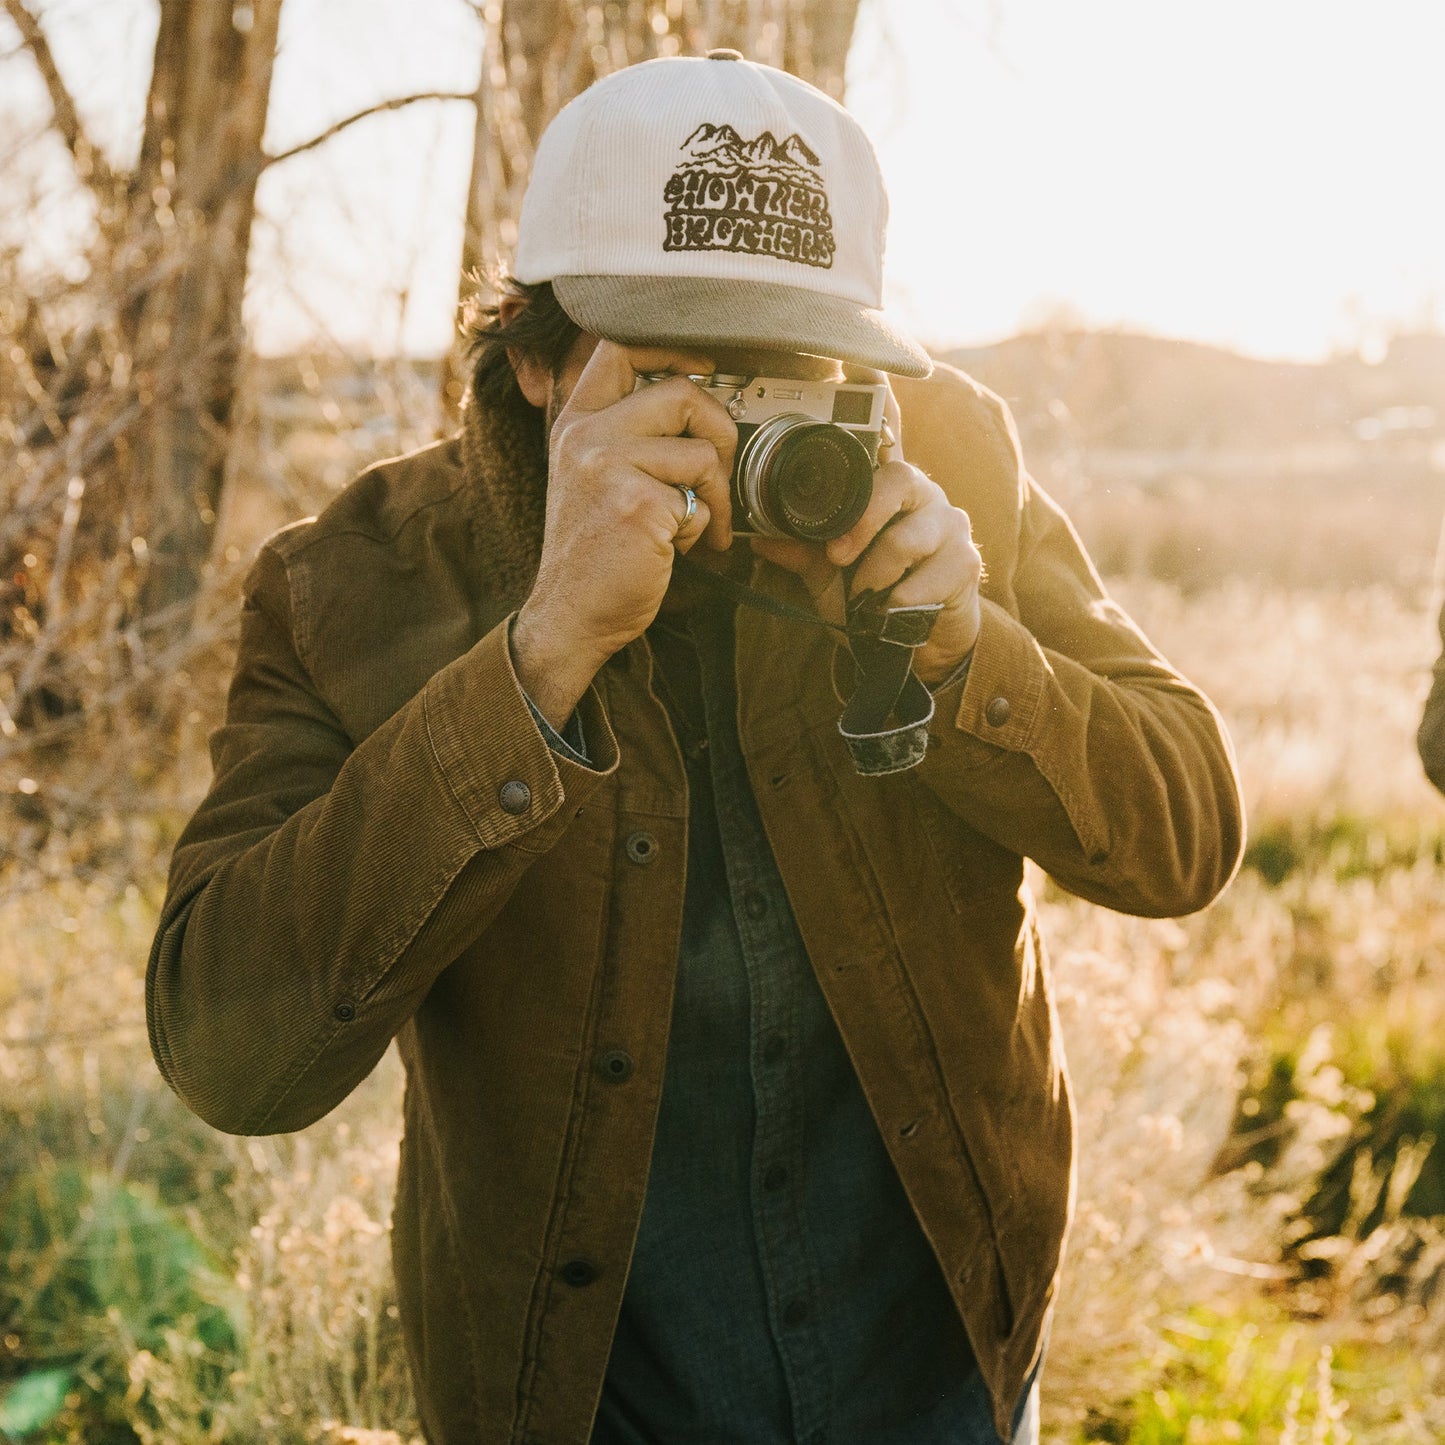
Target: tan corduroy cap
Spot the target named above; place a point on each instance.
(712, 200)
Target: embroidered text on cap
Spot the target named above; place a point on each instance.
(762, 196)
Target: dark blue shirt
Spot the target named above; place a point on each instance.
(781, 1289)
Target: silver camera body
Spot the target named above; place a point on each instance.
(806, 452)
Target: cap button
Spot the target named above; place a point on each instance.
(724, 54)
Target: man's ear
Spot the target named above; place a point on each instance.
(533, 377)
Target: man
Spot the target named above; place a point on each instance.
(735, 1106)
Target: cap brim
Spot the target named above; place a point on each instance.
(692, 311)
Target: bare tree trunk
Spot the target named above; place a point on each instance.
(116, 410)
(116, 403)
(538, 54)
(196, 182)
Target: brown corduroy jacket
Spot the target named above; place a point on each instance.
(365, 868)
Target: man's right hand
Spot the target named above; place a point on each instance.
(616, 461)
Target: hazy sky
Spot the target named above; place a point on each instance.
(1260, 173)
(1264, 173)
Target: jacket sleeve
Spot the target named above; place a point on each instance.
(1430, 739)
(320, 888)
(1072, 742)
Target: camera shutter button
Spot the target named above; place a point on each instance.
(738, 407)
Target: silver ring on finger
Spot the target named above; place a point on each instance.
(690, 497)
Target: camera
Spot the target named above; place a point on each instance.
(806, 451)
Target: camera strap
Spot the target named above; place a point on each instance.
(885, 721)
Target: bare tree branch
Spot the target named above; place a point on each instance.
(396, 103)
(90, 165)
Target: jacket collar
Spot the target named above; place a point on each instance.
(504, 459)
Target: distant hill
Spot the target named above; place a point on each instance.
(1175, 460)
(1070, 390)
(1196, 465)
(1122, 390)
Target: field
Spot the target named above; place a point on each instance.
(1261, 1224)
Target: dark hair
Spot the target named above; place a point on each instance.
(541, 330)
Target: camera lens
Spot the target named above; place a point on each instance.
(805, 478)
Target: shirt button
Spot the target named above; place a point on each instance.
(754, 904)
(641, 848)
(776, 1176)
(795, 1314)
(615, 1066)
(774, 1049)
(997, 712)
(515, 797)
(579, 1273)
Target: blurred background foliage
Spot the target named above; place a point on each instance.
(1261, 1235)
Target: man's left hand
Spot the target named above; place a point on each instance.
(912, 544)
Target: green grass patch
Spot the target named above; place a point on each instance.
(96, 1269)
(1345, 846)
(116, 1231)
(1261, 1378)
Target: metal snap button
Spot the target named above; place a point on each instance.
(579, 1273)
(641, 848)
(344, 1012)
(615, 1066)
(515, 797)
(997, 712)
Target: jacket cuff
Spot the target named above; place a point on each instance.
(1001, 706)
(1001, 690)
(509, 784)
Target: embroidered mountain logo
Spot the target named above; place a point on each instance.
(762, 196)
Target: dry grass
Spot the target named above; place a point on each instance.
(1321, 691)
(323, 1354)
(1167, 1022)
